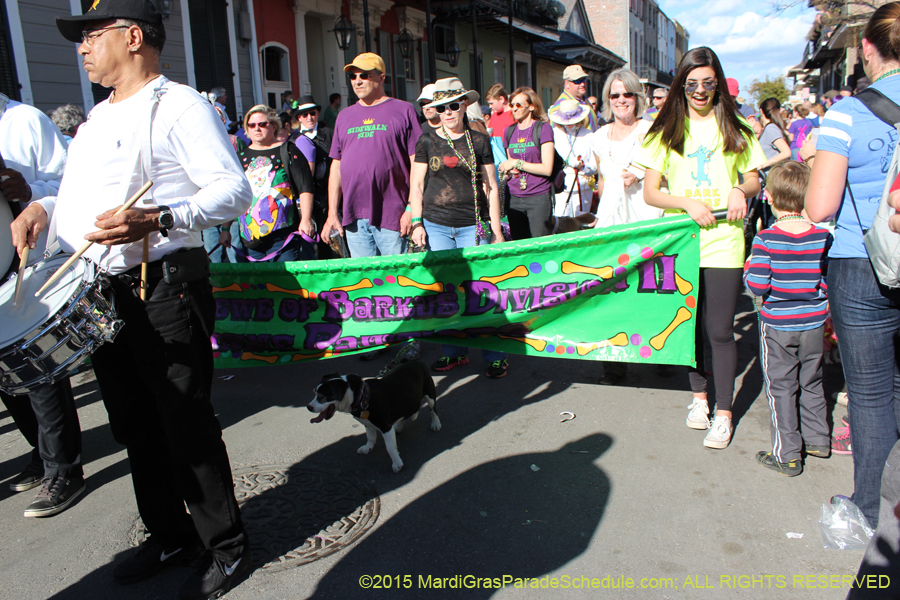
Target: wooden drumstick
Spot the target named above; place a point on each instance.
(145, 258)
(23, 262)
(83, 249)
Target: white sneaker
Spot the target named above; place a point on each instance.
(698, 417)
(719, 434)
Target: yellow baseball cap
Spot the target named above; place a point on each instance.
(367, 61)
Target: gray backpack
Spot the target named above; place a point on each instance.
(882, 244)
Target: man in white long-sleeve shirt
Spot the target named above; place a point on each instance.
(34, 154)
(156, 377)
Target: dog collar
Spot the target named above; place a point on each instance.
(363, 400)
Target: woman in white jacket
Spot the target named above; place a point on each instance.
(573, 140)
(616, 144)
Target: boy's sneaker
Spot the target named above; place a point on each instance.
(497, 369)
(789, 469)
(719, 435)
(29, 478)
(698, 417)
(151, 557)
(408, 353)
(840, 443)
(818, 451)
(56, 495)
(214, 577)
(846, 420)
(445, 363)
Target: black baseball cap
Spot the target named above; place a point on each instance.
(103, 10)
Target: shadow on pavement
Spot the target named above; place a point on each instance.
(499, 518)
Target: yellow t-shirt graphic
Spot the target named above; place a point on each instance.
(708, 174)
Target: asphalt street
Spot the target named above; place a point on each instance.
(624, 494)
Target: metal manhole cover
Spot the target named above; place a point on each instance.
(296, 515)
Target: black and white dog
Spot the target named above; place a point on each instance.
(379, 404)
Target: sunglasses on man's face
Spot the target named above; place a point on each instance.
(691, 85)
(452, 107)
(363, 76)
(579, 81)
(627, 95)
(260, 125)
(659, 97)
(311, 113)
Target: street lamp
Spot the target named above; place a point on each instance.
(453, 54)
(344, 31)
(405, 41)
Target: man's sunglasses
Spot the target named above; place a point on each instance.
(363, 76)
(303, 115)
(580, 81)
(452, 107)
(424, 103)
(659, 97)
(260, 125)
(628, 95)
(691, 86)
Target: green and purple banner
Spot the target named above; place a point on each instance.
(625, 293)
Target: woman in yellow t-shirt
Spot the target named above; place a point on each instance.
(709, 156)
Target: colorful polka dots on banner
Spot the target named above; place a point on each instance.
(636, 339)
(633, 249)
(624, 259)
(619, 271)
(378, 282)
(390, 279)
(535, 267)
(552, 267)
(690, 301)
(646, 352)
(647, 253)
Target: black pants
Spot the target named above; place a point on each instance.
(156, 381)
(48, 420)
(529, 216)
(718, 293)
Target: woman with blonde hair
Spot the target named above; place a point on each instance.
(621, 182)
(530, 147)
(278, 226)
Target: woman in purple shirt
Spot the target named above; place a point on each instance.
(529, 166)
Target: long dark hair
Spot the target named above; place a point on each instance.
(670, 126)
(771, 109)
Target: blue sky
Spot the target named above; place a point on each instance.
(750, 39)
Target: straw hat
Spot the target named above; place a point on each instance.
(568, 112)
(450, 90)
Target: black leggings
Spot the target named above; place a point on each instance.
(718, 294)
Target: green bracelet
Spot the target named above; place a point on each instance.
(417, 219)
(408, 208)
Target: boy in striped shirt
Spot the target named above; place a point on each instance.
(787, 268)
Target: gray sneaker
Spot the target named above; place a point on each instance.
(29, 478)
(56, 495)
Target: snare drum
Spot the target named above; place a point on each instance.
(44, 339)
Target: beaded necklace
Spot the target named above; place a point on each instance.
(481, 231)
(789, 217)
(888, 74)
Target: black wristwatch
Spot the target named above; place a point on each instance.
(166, 220)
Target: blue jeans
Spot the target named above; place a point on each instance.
(441, 237)
(867, 323)
(211, 240)
(364, 239)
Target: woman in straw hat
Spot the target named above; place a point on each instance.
(574, 143)
(459, 204)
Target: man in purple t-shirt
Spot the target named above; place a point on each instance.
(374, 144)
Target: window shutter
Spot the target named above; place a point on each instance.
(399, 70)
(9, 82)
(211, 47)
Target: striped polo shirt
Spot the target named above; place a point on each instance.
(788, 271)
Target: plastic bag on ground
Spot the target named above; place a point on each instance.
(843, 526)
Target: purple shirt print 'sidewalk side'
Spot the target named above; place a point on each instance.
(374, 144)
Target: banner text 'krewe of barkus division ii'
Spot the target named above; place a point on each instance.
(625, 293)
